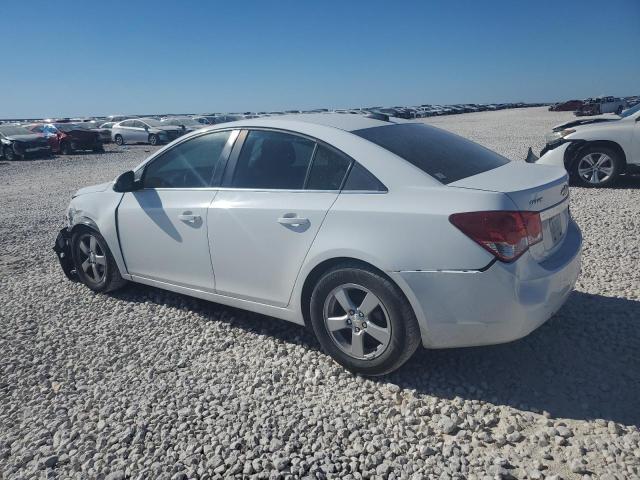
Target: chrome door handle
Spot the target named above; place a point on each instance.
(293, 221)
(189, 218)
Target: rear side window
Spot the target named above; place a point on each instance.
(273, 160)
(190, 164)
(445, 156)
(361, 179)
(328, 169)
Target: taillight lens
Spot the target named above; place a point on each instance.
(505, 234)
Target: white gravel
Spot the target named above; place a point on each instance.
(147, 384)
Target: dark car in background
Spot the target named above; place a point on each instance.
(67, 138)
(18, 142)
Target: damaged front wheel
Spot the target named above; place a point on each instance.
(94, 264)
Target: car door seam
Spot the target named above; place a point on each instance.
(295, 282)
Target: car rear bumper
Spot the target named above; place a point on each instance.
(502, 303)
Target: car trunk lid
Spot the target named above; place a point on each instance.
(532, 188)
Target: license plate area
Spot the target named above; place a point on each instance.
(555, 222)
(556, 227)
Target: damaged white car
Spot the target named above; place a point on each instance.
(595, 151)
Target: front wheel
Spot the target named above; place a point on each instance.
(94, 263)
(153, 139)
(119, 140)
(363, 320)
(597, 167)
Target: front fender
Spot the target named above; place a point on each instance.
(99, 211)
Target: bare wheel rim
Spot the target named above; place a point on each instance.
(357, 321)
(93, 260)
(595, 168)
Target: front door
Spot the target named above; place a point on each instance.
(163, 226)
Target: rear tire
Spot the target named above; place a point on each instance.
(597, 167)
(94, 262)
(119, 140)
(363, 320)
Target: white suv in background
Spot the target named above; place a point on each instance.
(596, 151)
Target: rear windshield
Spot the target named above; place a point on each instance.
(443, 155)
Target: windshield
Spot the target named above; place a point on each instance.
(181, 121)
(14, 130)
(443, 155)
(152, 122)
(630, 111)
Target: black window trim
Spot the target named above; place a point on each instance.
(232, 163)
(217, 173)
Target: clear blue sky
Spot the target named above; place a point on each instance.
(68, 58)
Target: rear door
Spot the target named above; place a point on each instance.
(126, 130)
(163, 226)
(139, 132)
(278, 189)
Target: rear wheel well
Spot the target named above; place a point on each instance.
(323, 267)
(599, 143)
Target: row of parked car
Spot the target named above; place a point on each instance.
(66, 136)
(596, 106)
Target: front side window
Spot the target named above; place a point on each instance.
(273, 160)
(190, 164)
(328, 169)
(444, 156)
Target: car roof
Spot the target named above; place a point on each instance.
(341, 121)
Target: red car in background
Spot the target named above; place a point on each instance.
(67, 138)
(568, 106)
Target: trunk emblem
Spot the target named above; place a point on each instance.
(535, 200)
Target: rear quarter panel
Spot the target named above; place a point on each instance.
(405, 229)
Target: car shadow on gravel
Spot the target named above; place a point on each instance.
(584, 363)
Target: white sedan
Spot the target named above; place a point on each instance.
(598, 150)
(379, 234)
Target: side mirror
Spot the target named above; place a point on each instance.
(146, 127)
(126, 183)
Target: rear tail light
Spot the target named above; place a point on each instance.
(505, 234)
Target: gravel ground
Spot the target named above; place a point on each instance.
(149, 384)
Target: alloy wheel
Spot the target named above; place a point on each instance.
(357, 321)
(595, 168)
(93, 260)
